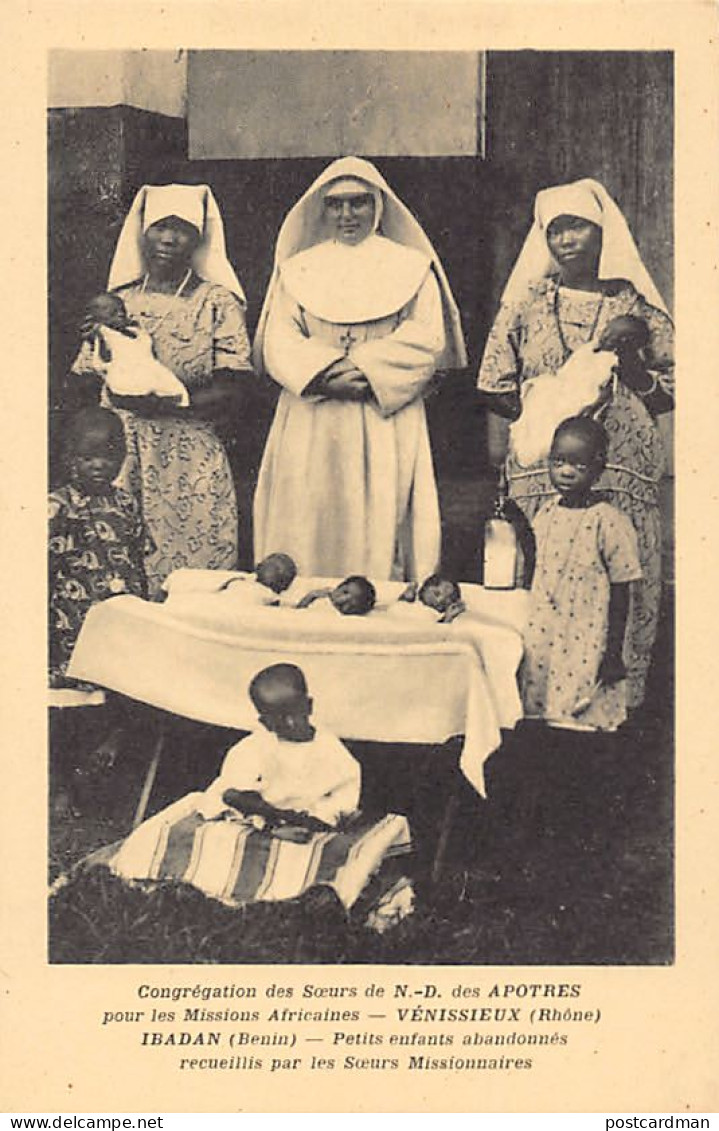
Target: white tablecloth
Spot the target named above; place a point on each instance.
(381, 677)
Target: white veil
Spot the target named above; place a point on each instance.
(197, 206)
(620, 258)
(304, 228)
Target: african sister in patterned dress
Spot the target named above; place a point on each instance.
(172, 273)
(98, 544)
(577, 277)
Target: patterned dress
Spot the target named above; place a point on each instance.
(536, 336)
(580, 553)
(97, 549)
(178, 468)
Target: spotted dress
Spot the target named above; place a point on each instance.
(98, 546)
(537, 335)
(178, 469)
(581, 552)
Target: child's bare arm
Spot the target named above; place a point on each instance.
(410, 593)
(612, 667)
(250, 803)
(311, 597)
(451, 614)
(247, 801)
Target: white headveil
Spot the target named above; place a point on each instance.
(304, 228)
(620, 258)
(197, 206)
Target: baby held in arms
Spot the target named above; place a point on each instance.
(353, 597)
(288, 772)
(122, 352)
(581, 384)
(437, 598)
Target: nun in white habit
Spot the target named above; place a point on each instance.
(357, 319)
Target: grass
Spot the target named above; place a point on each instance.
(566, 877)
(577, 872)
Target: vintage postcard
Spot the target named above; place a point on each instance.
(357, 701)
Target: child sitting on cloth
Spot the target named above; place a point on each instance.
(289, 772)
(122, 352)
(271, 578)
(437, 599)
(280, 820)
(353, 597)
(97, 540)
(582, 383)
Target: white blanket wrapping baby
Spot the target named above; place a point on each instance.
(549, 399)
(132, 369)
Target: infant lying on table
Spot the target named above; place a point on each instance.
(288, 772)
(272, 576)
(437, 599)
(353, 597)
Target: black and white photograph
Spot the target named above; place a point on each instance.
(361, 540)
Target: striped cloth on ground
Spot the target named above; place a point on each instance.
(230, 860)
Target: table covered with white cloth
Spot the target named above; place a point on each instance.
(389, 676)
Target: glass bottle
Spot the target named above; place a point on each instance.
(506, 556)
(499, 551)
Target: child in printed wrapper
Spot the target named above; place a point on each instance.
(123, 353)
(353, 597)
(289, 772)
(573, 673)
(97, 540)
(438, 599)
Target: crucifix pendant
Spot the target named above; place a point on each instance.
(347, 340)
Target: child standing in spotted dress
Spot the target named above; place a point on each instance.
(573, 674)
(561, 789)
